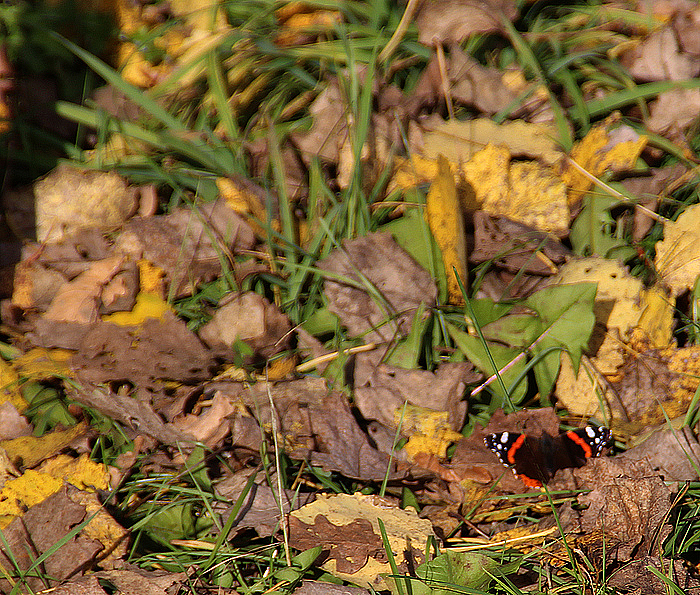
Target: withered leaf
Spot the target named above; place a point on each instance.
(349, 545)
(187, 244)
(41, 527)
(453, 21)
(402, 283)
(628, 501)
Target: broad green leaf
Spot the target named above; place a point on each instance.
(592, 231)
(567, 316)
(475, 352)
(446, 573)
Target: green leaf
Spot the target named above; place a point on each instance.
(446, 573)
(592, 231)
(475, 352)
(561, 319)
(407, 352)
(567, 316)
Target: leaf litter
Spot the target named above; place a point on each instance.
(95, 318)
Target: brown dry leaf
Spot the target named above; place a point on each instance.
(187, 244)
(209, 426)
(609, 146)
(515, 247)
(453, 21)
(674, 111)
(79, 299)
(68, 200)
(261, 506)
(673, 454)
(134, 581)
(250, 318)
(43, 525)
(628, 502)
(381, 390)
(314, 424)
(445, 218)
(135, 412)
(470, 84)
(347, 527)
(659, 58)
(403, 285)
(654, 385)
(637, 577)
(678, 254)
(12, 424)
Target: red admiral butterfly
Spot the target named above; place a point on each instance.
(536, 460)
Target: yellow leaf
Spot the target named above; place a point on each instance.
(9, 386)
(459, 141)
(604, 148)
(528, 192)
(429, 431)
(29, 451)
(678, 254)
(40, 363)
(657, 318)
(444, 216)
(28, 489)
(148, 305)
(151, 278)
(81, 472)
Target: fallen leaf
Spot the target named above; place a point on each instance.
(659, 58)
(250, 318)
(68, 200)
(608, 146)
(187, 244)
(401, 286)
(460, 140)
(628, 502)
(78, 300)
(347, 526)
(678, 254)
(261, 506)
(453, 21)
(444, 215)
(674, 111)
(29, 451)
(381, 390)
(40, 528)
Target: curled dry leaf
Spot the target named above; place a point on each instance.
(402, 285)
